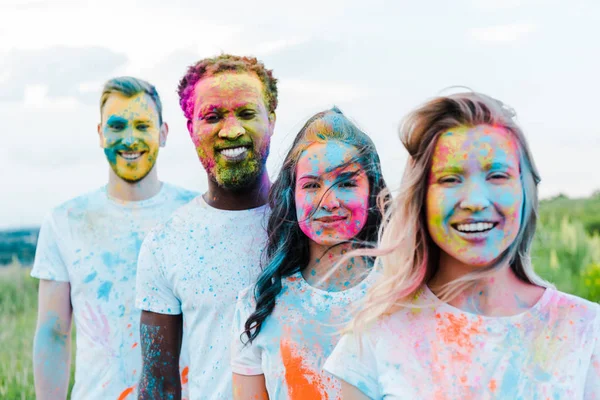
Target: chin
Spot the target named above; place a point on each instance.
(478, 261)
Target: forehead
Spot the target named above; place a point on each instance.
(483, 142)
(229, 89)
(140, 106)
(323, 158)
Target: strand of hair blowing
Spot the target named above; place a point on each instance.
(282, 262)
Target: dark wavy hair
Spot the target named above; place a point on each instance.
(287, 249)
(225, 63)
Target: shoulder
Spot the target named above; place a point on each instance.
(564, 305)
(77, 206)
(181, 221)
(246, 296)
(179, 194)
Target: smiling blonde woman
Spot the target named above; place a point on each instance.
(459, 312)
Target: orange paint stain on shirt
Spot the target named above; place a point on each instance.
(457, 330)
(302, 382)
(126, 393)
(184, 375)
(493, 385)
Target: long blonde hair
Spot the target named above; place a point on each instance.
(407, 257)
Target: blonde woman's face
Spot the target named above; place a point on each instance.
(474, 196)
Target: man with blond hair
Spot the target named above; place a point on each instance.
(87, 254)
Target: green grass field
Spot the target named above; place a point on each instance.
(566, 252)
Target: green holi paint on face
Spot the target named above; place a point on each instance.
(231, 128)
(131, 135)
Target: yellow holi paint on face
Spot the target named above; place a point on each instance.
(475, 195)
(131, 135)
(232, 127)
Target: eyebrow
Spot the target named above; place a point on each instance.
(212, 107)
(497, 165)
(113, 119)
(459, 170)
(450, 168)
(343, 176)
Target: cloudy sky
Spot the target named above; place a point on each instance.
(375, 59)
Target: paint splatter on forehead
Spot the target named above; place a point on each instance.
(482, 144)
(228, 90)
(332, 157)
(138, 107)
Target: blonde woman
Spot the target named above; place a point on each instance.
(459, 312)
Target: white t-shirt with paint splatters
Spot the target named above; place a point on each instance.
(296, 339)
(551, 351)
(93, 242)
(195, 265)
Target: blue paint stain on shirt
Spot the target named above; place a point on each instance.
(90, 277)
(104, 290)
(110, 259)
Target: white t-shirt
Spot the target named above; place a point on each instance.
(296, 339)
(92, 242)
(196, 264)
(551, 351)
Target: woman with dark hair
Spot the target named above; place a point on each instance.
(324, 204)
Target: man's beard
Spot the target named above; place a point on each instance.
(240, 175)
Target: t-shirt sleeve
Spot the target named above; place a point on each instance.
(49, 262)
(353, 360)
(592, 384)
(154, 292)
(245, 356)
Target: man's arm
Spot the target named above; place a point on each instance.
(52, 341)
(160, 336)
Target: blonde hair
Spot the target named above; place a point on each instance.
(406, 255)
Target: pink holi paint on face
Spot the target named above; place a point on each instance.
(332, 198)
(232, 126)
(475, 195)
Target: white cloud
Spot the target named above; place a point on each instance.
(321, 89)
(503, 33)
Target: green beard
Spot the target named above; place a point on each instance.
(238, 176)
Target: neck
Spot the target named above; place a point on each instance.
(500, 294)
(253, 196)
(138, 191)
(320, 272)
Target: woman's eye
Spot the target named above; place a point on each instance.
(348, 184)
(310, 186)
(449, 179)
(498, 176)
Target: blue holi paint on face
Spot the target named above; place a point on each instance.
(104, 290)
(90, 277)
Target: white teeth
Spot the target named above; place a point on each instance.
(233, 152)
(475, 227)
(130, 156)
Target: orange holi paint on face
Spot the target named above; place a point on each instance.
(231, 128)
(475, 195)
(331, 193)
(131, 135)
